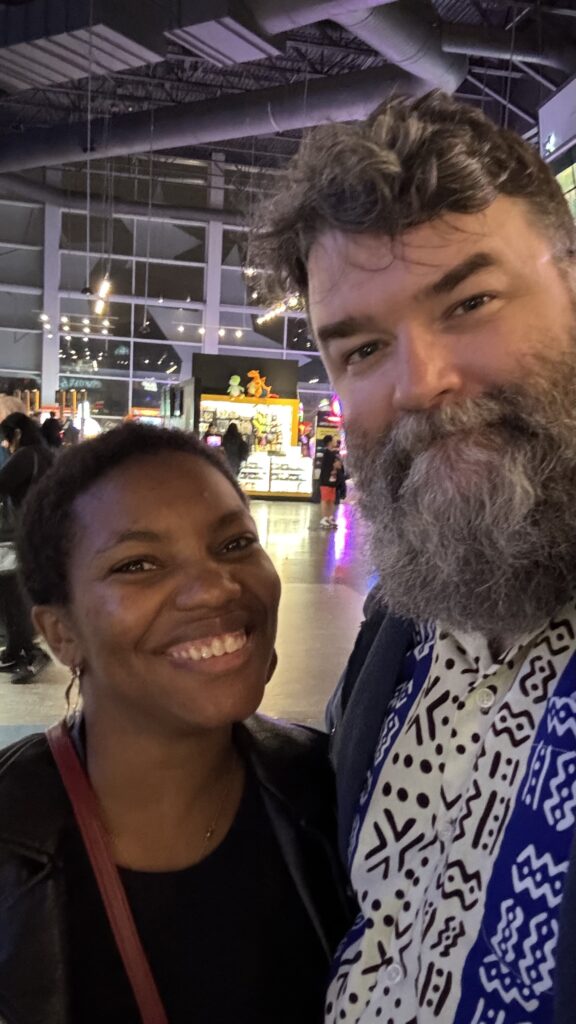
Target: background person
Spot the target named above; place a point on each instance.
(329, 468)
(52, 431)
(436, 254)
(29, 459)
(235, 448)
(149, 582)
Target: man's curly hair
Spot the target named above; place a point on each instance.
(410, 162)
(47, 527)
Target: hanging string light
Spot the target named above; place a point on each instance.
(291, 302)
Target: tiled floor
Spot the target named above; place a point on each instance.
(324, 580)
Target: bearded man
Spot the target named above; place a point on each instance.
(436, 255)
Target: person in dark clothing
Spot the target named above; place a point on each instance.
(235, 447)
(149, 582)
(52, 431)
(341, 488)
(329, 468)
(29, 459)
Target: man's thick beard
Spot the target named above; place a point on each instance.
(472, 506)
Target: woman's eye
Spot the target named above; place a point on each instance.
(135, 565)
(239, 544)
(471, 305)
(363, 352)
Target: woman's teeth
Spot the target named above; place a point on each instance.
(210, 647)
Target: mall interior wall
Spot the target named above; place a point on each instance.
(173, 244)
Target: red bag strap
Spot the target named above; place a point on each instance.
(96, 841)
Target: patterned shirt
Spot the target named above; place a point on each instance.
(462, 838)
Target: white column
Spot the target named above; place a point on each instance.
(214, 254)
(51, 304)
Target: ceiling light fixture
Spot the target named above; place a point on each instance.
(180, 328)
(99, 307)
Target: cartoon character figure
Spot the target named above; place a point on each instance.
(257, 385)
(235, 388)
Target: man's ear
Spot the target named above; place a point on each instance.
(53, 622)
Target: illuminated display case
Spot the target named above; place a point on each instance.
(291, 473)
(275, 465)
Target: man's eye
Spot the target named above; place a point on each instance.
(135, 565)
(239, 544)
(471, 305)
(363, 352)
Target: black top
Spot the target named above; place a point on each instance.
(22, 469)
(228, 940)
(327, 471)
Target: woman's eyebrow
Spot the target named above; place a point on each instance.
(148, 536)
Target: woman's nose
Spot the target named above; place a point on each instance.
(208, 586)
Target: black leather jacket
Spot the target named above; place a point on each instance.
(291, 765)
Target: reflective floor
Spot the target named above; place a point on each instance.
(324, 579)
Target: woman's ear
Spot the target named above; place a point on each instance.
(272, 666)
(53, 622)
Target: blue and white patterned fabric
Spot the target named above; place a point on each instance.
(460, 847)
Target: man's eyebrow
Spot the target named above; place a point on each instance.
(346, 328)
(457, 275)
(349, 326)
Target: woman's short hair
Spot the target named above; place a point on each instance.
(46, 531)
(30, 432)
(413, 160)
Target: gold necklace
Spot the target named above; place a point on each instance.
(225, 793)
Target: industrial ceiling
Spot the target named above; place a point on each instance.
(185, 78)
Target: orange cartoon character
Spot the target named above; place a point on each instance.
(257, 385)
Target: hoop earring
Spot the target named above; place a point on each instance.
(74, 684)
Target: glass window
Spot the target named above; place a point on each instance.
(73, 273)
(299, 335)
(234, 288)
(21, 223)
(118, 315)
(20, 351)
(242, 329)
(312, 372)
(147, 395)
(165, 322)
(106, 397)
(234, 245)
(9, 384)
(170, 241)
(151, 360)
(21, 266)
(170, 281)
(20, 311)
(107, 235)
(85, 355)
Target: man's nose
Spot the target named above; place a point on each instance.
(425, 372)
(206, 586)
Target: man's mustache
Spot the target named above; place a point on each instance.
(416, 432)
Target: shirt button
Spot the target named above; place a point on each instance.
(394, 973)
(485, 698)
(446, 831)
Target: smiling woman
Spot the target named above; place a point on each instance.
(149, 582)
